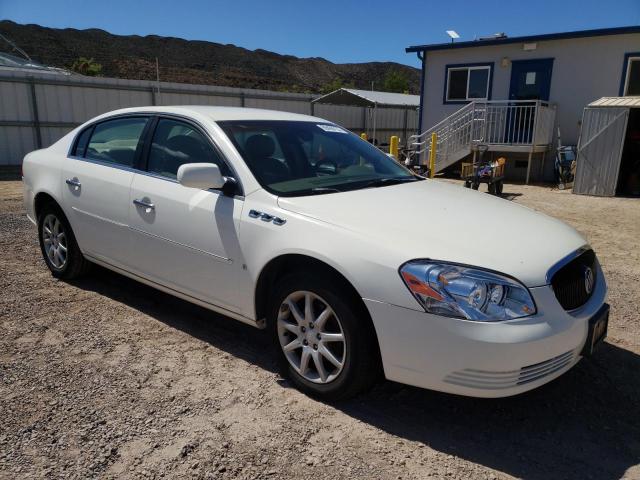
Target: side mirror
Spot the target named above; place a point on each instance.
(200, 175)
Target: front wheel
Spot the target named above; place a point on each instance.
(326, 347)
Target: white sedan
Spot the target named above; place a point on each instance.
(355, 266)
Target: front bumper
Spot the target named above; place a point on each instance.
(483, 359)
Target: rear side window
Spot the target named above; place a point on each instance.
(116, 141)
(175, 143)
(81, 144)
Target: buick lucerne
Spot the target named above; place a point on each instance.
(355, 267)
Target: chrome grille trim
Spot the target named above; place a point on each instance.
(569, 281)
(488, 380)
(564, 261)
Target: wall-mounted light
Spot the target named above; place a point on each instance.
(505, 62)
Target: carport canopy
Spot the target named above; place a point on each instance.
(368, 98)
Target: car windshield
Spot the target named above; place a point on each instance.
(291, 158)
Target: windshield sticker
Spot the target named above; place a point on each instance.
(332, 128)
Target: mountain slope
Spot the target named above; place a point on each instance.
(192, 61)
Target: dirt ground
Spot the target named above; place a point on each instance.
(108, 378)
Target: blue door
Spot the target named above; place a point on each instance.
(530, 80)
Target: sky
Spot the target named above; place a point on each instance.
(341, 31)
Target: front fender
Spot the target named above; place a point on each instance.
(371, 268)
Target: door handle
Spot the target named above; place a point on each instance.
(144, 204)
(74, 182)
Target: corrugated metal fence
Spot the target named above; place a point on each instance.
(36, 110)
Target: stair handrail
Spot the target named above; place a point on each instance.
(481, 121)
(428, 132)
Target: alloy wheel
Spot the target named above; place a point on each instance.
(311, 337)
(54, 239)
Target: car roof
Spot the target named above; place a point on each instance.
(221, 113)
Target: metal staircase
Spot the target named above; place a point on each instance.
(503, 125)
(454, 135)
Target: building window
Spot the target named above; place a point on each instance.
(631, 74)
(468, 82)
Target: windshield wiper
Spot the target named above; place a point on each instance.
(321, 190)
(383, 182)
(314, 191)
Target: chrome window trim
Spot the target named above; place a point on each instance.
(117, 166)
(157, 176)
(158, 114)
(143, 172)
(202, 129)
(93, 124)
(564, 261)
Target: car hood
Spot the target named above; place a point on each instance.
(443, 221)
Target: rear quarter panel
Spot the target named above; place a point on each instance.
(41, 173)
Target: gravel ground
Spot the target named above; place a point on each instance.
(108, 378)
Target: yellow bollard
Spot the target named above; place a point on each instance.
(432, 155)
(393, 146)
(363, 136)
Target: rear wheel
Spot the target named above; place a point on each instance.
(325, 346)
(499, 187)
(492, 188)
(58, 244)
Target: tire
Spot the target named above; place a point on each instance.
(467, 184)
(499, 187)
(55, 235)
(492, 188)
(358, 353)
(475, 185)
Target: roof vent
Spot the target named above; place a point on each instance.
(495, 36)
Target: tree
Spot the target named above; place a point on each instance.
(396, 81)
(87, 66)
(335, 84)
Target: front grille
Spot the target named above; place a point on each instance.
(570, 283)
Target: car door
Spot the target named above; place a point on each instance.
(185, 238)
(98, 175)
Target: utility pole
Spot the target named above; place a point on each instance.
(158, 80)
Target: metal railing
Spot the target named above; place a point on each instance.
(453, 133)
(513, 123)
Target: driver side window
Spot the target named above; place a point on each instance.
(175, 143)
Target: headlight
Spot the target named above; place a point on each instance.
(465, 292)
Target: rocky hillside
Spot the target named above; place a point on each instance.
(190, 61)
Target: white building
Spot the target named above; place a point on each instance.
(513, 92)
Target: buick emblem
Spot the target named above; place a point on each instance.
(588, 280)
